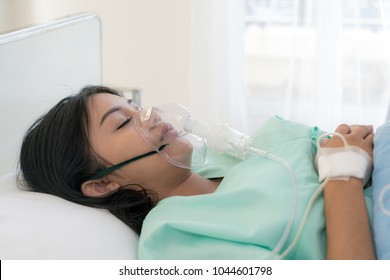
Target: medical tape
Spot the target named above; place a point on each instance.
(343, 163)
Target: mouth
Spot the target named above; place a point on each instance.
(167, 132)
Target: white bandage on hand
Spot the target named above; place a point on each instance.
(342, 163)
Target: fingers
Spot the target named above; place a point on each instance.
(359, 130)
(361, 136)
(343, 129)
(362, 130)
(369, 140)
(324, 142)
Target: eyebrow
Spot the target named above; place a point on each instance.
(112, 110)
(106, 114)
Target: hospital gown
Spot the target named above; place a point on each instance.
(246, 216)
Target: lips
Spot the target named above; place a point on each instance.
(167, 131)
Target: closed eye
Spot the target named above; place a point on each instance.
(124, 123)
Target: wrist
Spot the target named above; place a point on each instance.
(342, 162)
(351, 183)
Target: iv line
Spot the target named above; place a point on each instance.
(290, 222)
(312, 199)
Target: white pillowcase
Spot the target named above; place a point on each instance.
(42, 226)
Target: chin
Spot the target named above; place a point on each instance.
(180, 150)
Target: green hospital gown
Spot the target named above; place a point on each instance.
(246, 216)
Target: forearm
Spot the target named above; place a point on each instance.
(347, 223)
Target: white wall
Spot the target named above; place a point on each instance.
(4, 19)
(146, 43)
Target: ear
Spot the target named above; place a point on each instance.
(98, 187)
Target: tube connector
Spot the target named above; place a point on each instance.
(221, 137)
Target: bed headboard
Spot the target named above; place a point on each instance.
(40, 65)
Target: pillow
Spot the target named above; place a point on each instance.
(42, 226)
(381, 191)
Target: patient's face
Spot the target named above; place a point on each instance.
(114, 138)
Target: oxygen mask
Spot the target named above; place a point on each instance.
(161, 131)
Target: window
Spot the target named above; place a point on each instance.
(316, 61)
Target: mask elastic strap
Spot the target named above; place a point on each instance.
(119, 165)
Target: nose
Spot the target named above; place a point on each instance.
(151, 117)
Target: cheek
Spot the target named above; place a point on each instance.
(147, 170)
(119, 147)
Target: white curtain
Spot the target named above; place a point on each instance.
(320, 62)
(217, 61)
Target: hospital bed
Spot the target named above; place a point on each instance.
(38, 66)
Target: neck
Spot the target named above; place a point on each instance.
(193, 185)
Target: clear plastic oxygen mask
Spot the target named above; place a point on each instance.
(177, 146)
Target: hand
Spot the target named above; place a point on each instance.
(361, 136)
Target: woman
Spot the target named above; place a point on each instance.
(88, 150)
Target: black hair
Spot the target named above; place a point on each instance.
(56, 158)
